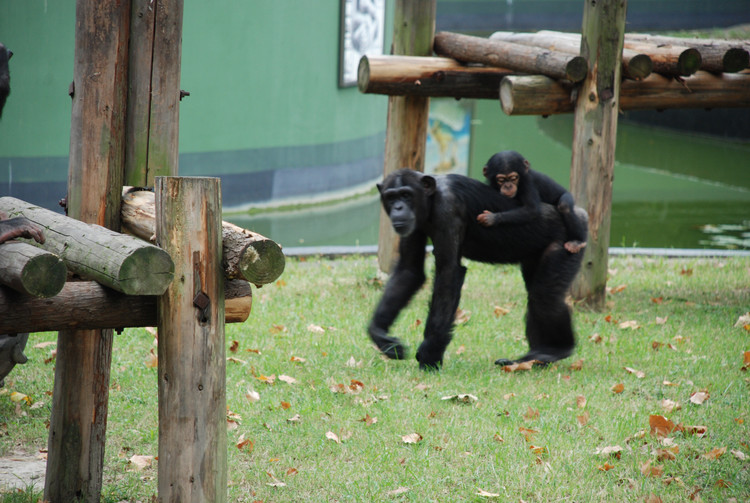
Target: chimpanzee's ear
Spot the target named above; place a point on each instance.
(429, 185)
(527, 164)
(380, 187)
(484, 171)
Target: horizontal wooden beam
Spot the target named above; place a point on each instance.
(84, 305)
(428, 76)
(31, 271)
(540, 95)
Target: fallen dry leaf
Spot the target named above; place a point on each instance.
(369, 420)
(253, 396)
(686, 271)
(516, 367)
(297, 359)
(653, 471)
(743, 321)
(277, 329)
(694, 430)
(152, 361)
(462, 317)
(538, 449)
(670, 405)
(739, 455)
(500, 311)
(294, 419)
(267, 379)
(243, 442)
(527, 433)
(581, 401)
(352, 363)
(618, 388)
(660, 425)
(661, 321)
(508, 396)
(657, 300)
(274, 481)
(715, 453)
(596, 338)
(462, 398)
(232, 359)
(411, 438)
(235, 346)
(356, 386)
(668, 454)
(606, 467)
(316, 329)
(577, 365)
(285, 405)
(288, 380)
(396, 492)
(632, 324)
(531, 413)
(140, 462)
(485, 494)
(43, 345)
(17, 397)
(699, 397)
(332, 436)
(610, 450)
(498, 438)
(583, 419)
(639, 374)
(745, 361)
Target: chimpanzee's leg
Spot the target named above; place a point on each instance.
(576, 227)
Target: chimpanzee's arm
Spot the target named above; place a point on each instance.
(527, 212)
(20, 227)
(407, 277)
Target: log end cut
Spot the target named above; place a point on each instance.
(44, 275)
(262, 262)
(146, 271)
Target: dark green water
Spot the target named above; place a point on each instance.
(671, 189)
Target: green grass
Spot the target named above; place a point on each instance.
(460, 452)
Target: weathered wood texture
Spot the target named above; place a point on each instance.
(669, 59)
(30, 271)
(192, 365)
(125, 263)
(540, 95)
(87, 305)
(406, 130)
(594, 139)
(154, 91)
(78, 424)
(634, 65)
(246, 254)
(521, 58)
(428, 76)
(716, 55)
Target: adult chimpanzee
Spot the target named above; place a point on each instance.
(511, 175)
(5, 56)
(444, 209)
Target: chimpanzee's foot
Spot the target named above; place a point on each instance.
(429, 357)
(390, 346)
(574, 246)
(541, 357)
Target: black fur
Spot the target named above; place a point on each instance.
(444, 209)
(5, 55)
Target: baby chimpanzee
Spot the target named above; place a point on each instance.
(510, 174)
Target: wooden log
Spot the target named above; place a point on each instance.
(87, 305)
(540, 95)
(78, 424)
(635, 66)
(31, 271)
(428, 76)
(521, 58)
(729, 56)
(121, 262)
(594, 139)
(247, 254)
(192, 364)
(669, 59)
(154, 91)
(407, 123)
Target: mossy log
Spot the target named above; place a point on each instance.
(87, 305)
(246, 254)
(717, 56)
(121, 262)
(521, 58)
(31, 271)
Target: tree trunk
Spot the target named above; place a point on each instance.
(127, 264)
(247, 255)
(521, 58)
(31, 271)
(429, 77)
(634, 65)
(540, 95)
(594, 137)
(87, 305)
(192, 365)
(406, 131)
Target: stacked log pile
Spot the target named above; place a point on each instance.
(537, 73)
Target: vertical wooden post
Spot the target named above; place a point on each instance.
(594, 138)
(192, 365)
(81, 393)
(406, 130)
(154, 91)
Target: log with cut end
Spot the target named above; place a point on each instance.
(428, 76)
(247, 255)
(540, 95)
(517, 57)
(729, 56)
(31, 271)
(121, 262)
(668, 59)
(634, 65)
(88, 305)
